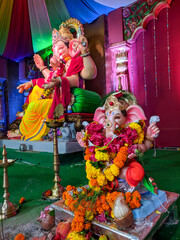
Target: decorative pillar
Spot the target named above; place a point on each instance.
(120, 70)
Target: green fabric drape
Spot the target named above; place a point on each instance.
(5, 19)
(41, 30)
(57, 12)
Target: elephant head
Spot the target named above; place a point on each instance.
(116, 112)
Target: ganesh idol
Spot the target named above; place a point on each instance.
(114, 141)
(71, 61)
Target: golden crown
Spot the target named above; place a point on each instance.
(113, 103)
(64, 34)
(120, 100)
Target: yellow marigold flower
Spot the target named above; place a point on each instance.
(140, 132)
(76, 236)
(96, 189)
(101, 156)
(101, 179)
(89, 215)
(109, 174)
(114, 170)
(112, 214)
(135, 126)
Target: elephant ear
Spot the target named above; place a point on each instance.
(134, 113)
(99, 115)
(74, 51)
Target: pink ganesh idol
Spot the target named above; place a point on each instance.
(114, 140)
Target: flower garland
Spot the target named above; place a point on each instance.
(55, 73)
(88, 204)
(106, 157)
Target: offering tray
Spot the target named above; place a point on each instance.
(141, 228)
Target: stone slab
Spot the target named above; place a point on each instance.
(42, 146)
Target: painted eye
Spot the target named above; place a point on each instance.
(108, 125)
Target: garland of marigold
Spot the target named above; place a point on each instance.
(99, 176)
(87, 204)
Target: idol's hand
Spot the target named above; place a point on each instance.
(24, 86)
(38, 61)
(152, 132)
(83, 46)
(55, 82)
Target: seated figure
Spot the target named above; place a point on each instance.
(71, 59)
(114, 140)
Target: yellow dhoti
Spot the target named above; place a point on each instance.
(32, 126)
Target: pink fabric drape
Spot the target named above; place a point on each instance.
(19, 43)
(160, 100)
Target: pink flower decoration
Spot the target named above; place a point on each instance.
(97, 139)
(101, 217)
(94, 127)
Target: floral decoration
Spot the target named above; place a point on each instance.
(88, 204)
(22, 200)
(105, 157)
(19, 236)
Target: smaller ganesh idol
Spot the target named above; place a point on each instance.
(112, 142)
(116, 139)
(71, 59)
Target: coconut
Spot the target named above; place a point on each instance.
(122, 213)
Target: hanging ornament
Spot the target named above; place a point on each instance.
(168, 49)
(155, 59)
(132, 77)
(144, 63)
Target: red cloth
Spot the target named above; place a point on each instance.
(135, 173)
(19, 42)
(75, 67)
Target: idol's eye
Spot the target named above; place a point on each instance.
(108, 125)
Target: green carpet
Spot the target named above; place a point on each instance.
(32, 174)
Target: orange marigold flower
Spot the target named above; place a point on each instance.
(79, 213)
(64, 195)
(136, 195)
(132, 205)
(20, 236)
(81, 209)
(87, 225)
(22, 200)
(103, 198)
(105, 206)
(128, 197)
(86, 157)
(100, 210)
(123, 149)
(98, 202)
(119, 163)
(77, 227)
(136, 203)
(93, 182)
(87, 151)
(70, 188)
